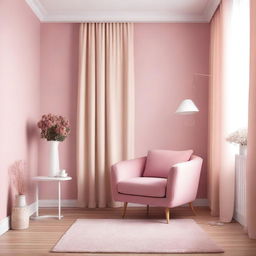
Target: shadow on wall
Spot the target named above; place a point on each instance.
(10, 201)
(21, 171)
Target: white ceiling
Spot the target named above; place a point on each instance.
(124, 10)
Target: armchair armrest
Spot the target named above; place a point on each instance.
(183, 181)
(125, 170)
(128, 169)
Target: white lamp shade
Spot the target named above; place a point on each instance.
(187, 107)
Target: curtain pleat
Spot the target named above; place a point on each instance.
(105, 133)
(214, 114)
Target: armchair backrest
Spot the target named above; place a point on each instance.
(159, 162)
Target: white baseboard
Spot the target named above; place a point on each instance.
(74, 203)
(5, 224)
(54, 203)
(197, 202)
(32, 208)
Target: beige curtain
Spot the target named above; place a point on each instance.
(214, 114)
(251, 159)
(105, 122)
(221, 159)
(228, 101)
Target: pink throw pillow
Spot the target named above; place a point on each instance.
(159, 162)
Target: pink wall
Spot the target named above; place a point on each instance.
(59, 59)
(166, 58)
(19, 92)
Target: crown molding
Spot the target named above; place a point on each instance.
(37, 8)
(122, 16)
(210, 9)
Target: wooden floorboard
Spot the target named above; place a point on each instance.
(43, 234)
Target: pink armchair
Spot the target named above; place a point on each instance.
(133, 181)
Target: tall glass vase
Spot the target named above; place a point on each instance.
(54, 164)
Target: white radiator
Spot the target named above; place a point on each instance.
(240, 172)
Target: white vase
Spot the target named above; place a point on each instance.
(20, 201)
(242, 150)
(54, 165)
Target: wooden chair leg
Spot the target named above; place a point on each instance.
(147, 210)
(167, 214)
(125, 207)
(192, 208)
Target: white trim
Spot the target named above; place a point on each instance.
(37, 8)
(123, 16)
(74, 203)
(32, 208)
(211, 8)
(197, 202)
(5, 224)
(54, 203)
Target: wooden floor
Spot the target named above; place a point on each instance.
(43, 234)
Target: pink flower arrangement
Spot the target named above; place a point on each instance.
(17, 176)
(54, 127)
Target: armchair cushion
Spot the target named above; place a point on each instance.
(143, 186)
(159, 162)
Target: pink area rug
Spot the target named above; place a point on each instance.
(136, 236)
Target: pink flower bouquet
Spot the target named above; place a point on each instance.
(54, 127)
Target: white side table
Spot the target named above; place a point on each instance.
(38, 179)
